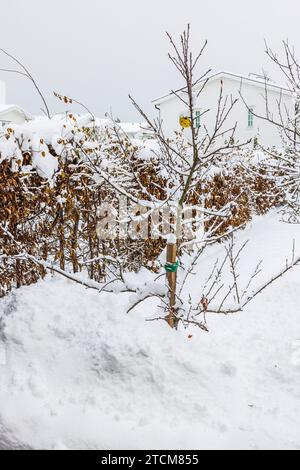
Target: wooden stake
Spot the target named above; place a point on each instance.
(172, 280)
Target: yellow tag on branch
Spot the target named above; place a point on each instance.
(185, 122)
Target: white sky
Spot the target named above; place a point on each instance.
(99, 51)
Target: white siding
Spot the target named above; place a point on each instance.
(2, 92)
(253, 93)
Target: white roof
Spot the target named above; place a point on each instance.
(8, 108)
(260, 82)
(133, 127)
(130, 128)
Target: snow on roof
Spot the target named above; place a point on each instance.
(8, 108)
(47, 128)
(256, 79)
(128, 128)
(238, 77)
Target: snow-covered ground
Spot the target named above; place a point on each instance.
(80, 373)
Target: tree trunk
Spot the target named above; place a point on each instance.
(172, 279)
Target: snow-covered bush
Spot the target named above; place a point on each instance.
(53, 187)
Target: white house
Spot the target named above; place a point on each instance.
(11, 113)
(2, 92)
(135, 130)
(252, 89)
(132, 130)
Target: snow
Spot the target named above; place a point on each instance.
(81, 374)
(40, 133)
(134, 128)
(149, 149)
(9, 150)
(259, 81)
(36, 137)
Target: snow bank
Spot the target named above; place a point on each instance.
(80, 373)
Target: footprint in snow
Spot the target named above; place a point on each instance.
(228, 369)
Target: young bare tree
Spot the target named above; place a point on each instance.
(189, 160)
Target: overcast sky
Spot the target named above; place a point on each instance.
(99, 51)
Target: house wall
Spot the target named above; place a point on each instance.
(268, 134)
(2, 92)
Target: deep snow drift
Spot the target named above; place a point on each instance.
(80, 373)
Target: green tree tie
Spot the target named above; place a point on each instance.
(172, 267)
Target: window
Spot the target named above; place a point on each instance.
(250, 117)
(198, 119)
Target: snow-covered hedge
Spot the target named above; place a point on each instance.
(51, 195)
